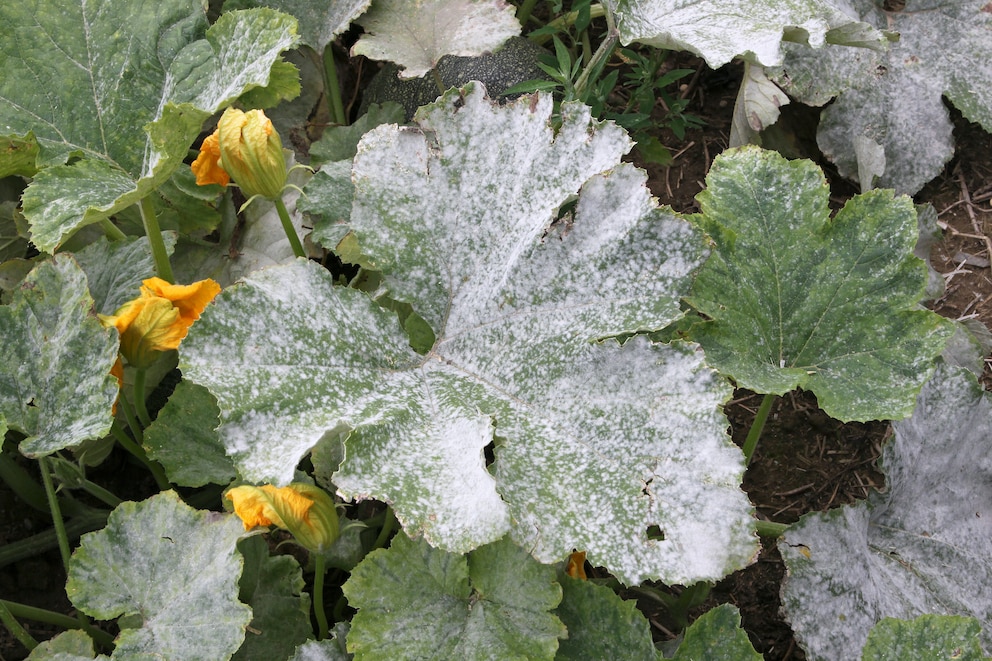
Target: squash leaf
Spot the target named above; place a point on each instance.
(719, 30)
(178, 586)
(55, 360)
(894, 98)
(414, 601)
(320, 20)
(459, 215)
(415, 35)
(925, 637)
(797, 299)
(921, 547)
(176, 73)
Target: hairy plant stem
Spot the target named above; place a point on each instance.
(140, 378)
(318, 596)
(139, 453)
(60, 533)
(86, 521)
(154, 234)
(112, 230)
(751, 442)
(58, 619)
(15, 628)
(332, 89)
(287, 226)
(388, 523)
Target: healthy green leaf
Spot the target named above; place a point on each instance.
(717, 636)
(341, 142)
(415, 35)
(798, 299)
(55, 360)
(124, 85)
(922, 547)
(719, 30)
(458, 215)
(327, 201)
(183, 439)
(894, 97)
(926, 637)
(272, 586)
(320, 20)
(414, 601)
(174, 568)
(115, 269)
(601, 625)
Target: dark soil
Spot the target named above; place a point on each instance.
(805, 461)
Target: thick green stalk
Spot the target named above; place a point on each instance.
(751, 442)
(287, 226)
(388, 523)
(42, 542)
(525, 10)
(770, 528)
(112, 230)
(595, 67)
(161, 479)
(332, 88)
(154, 234)
(140, 377)
(15, 628)
(58, 619)
(318, 596)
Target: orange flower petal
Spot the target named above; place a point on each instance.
(190, 300)
(207, 167)
(576, 567)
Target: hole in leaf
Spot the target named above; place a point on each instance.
(490, 453)
(654, 532)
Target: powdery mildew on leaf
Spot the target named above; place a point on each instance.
(320, 20)
(894, 97)
(799, 299)
(415, 34)
(55, 360)
(175, 567)
(126, 86)
(594, 442)
(719, 30)
(921, 547)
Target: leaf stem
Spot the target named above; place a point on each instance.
(332, 88)
(599, 58)
(140, 378)
(36, 544)
(58, 619)
(15, 628)
(113, 231)
(770, 528)
(287, 226)
(388, 523)
(595, 11)
(154, 234)
(751, 442)
(139, 453)
(525, 10)
(318, 596)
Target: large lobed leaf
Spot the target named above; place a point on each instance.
(124, 85)
(893, 98)
(719, 30)
(416, 35)
(417, 602)
(55, 360)
(320, 20)
(799, 299)
(173, 571)
(594, 442)
(921, 547)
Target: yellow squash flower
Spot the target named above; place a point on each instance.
(159, 318)
(576, 567)
(207, 166)
(246, 148)
(306, 511)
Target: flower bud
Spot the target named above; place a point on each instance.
(251, 152)
(306, 511)
(159, 318)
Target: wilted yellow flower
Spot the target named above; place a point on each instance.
(159, 318)
(207, 166)
(576, 567)
(306, 511)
